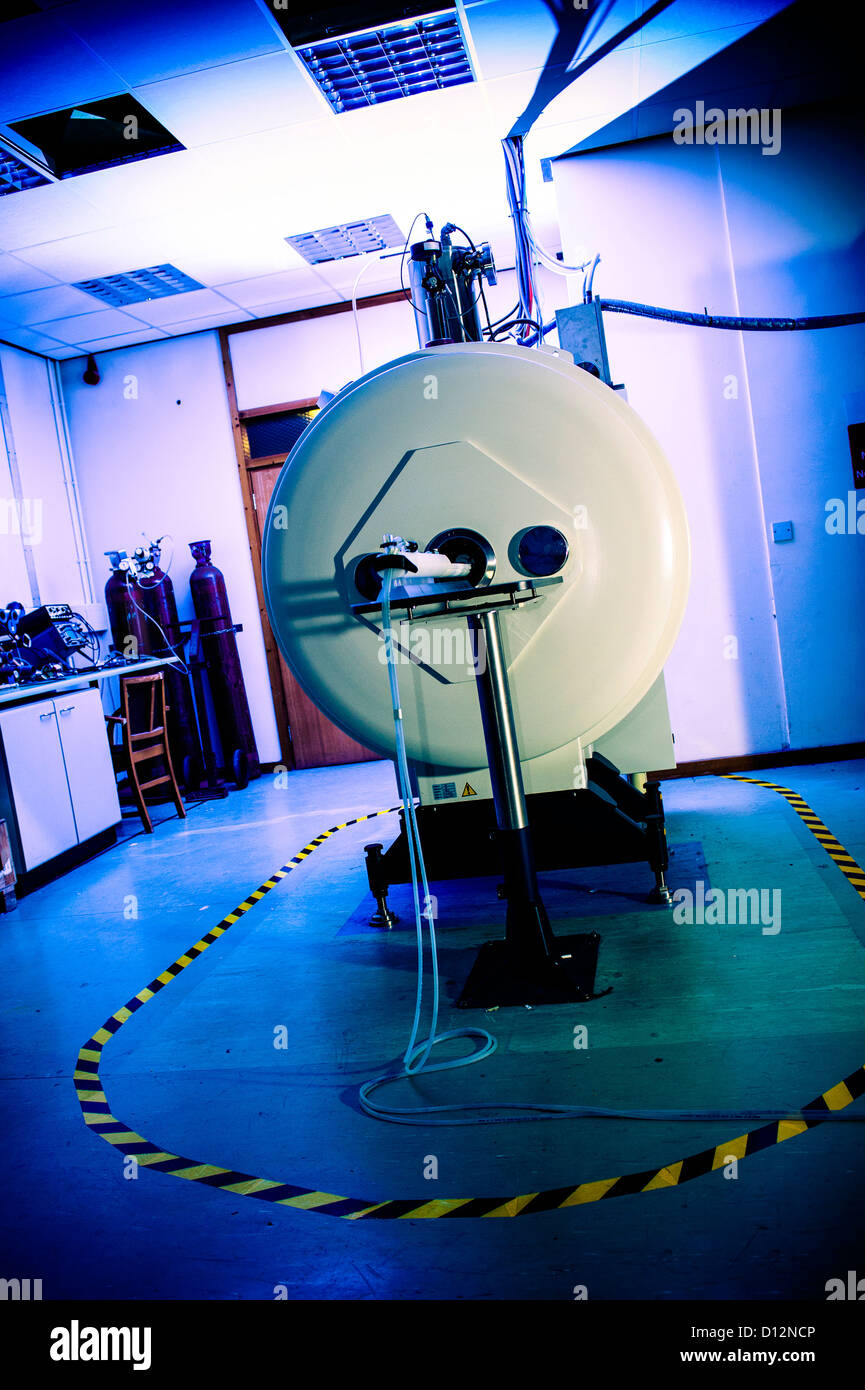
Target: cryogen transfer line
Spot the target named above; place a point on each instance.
(98, 1117)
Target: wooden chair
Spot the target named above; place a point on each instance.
(142, 718)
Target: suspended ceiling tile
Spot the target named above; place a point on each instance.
(180, 308)
(218, 249)
(110, 252)
(42, 214)
(505, 97)
(343, 183)
(239, 99)
(178, 330)
(554, 140)
(623, 12)
(38, 306)
(693, 17)
(16, 277)
(31, 338)
(663, 63)
(510, 35)
(85, 327)
(44, 67)
(284, 175)
(268, 289)
(681, 18)
(119, 340)
(672, 43)
(609, 86)
(377, 277)
(168, 181)
(292, 306)
(164, 38)
(429, 116)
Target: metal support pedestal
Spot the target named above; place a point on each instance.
(659, 856)
(531, 965)
(382, 917)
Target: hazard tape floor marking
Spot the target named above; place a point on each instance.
(835, 850)
(98, 1117)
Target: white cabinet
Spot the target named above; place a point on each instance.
(89, 770)
(61, 779)
(37, 777)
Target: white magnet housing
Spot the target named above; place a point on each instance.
(494, 440)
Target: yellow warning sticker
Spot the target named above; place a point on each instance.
(468, 790)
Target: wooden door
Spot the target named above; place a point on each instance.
(315, 741)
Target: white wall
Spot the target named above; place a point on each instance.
(45, 517)
(797, 238)
(154, 454)
(754, 424)
(295, 361)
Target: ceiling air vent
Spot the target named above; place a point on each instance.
(15, 175)
(349, 239)
(383, 64)
(135, 286)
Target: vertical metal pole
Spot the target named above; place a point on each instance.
(527, 930)
(498, 719)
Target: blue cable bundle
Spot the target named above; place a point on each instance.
(515, 182)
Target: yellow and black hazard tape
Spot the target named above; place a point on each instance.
(98, 1116)
(835, 850)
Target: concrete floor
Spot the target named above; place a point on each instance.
(700, 1016)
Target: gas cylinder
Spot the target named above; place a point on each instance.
(222, 660)
(127, 622)
(153, 591)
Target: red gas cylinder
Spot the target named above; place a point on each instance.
(224, 672)
(154, 594)
(126, 620)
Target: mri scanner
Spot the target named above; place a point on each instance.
(539, 558)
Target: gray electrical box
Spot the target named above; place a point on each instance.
(581, 333)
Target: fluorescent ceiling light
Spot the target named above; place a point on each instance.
(384, 64)
(15, 175)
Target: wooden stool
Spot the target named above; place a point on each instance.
(143, 723)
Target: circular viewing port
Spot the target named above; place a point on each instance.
(465, 547)
(541, 551)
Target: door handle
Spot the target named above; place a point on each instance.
(49, 715)
(68, 709)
